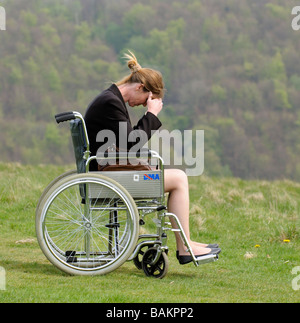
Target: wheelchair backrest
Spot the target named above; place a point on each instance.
(79, 143)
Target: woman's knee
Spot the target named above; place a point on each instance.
(175, 178)
(181, 176)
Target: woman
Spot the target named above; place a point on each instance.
(145, 87)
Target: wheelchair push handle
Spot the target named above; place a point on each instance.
(65, 116)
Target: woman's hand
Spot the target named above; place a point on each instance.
(154, 105)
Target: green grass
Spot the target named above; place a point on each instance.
(249, 219)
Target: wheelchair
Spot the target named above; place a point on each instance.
(88, 223)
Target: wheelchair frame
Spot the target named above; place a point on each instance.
(117, 196)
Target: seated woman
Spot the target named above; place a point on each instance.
(145, 87)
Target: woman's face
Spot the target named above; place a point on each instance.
(138, 96)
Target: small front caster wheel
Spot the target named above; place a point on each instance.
(158, 270)
(139, 258)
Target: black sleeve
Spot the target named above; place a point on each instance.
(126, 135)
(108, 112)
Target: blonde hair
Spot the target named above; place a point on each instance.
(151, 79)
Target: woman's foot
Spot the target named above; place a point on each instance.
(203, 245)
(197, 250)
(185, 259)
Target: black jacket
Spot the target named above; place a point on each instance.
(105, 112)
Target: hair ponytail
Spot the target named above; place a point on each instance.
(151, 79)
(132, 62)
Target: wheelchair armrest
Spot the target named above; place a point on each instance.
(142, 153)
(65, 116)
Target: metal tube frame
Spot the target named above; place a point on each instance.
(162, 225)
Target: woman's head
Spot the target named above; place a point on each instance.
(151, 80)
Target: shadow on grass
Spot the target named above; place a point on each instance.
(126, 270)
(129, 269)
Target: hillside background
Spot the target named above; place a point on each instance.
(231, 68)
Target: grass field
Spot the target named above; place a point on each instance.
(256, 224)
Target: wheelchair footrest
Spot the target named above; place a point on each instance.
(206, 259)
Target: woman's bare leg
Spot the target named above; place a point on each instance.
(176, 184)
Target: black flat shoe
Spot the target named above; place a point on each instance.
(187, 259)
(213, 245)
(210, 246)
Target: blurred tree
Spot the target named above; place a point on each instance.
(231, 67)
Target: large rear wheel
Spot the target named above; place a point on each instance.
(87, 224)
